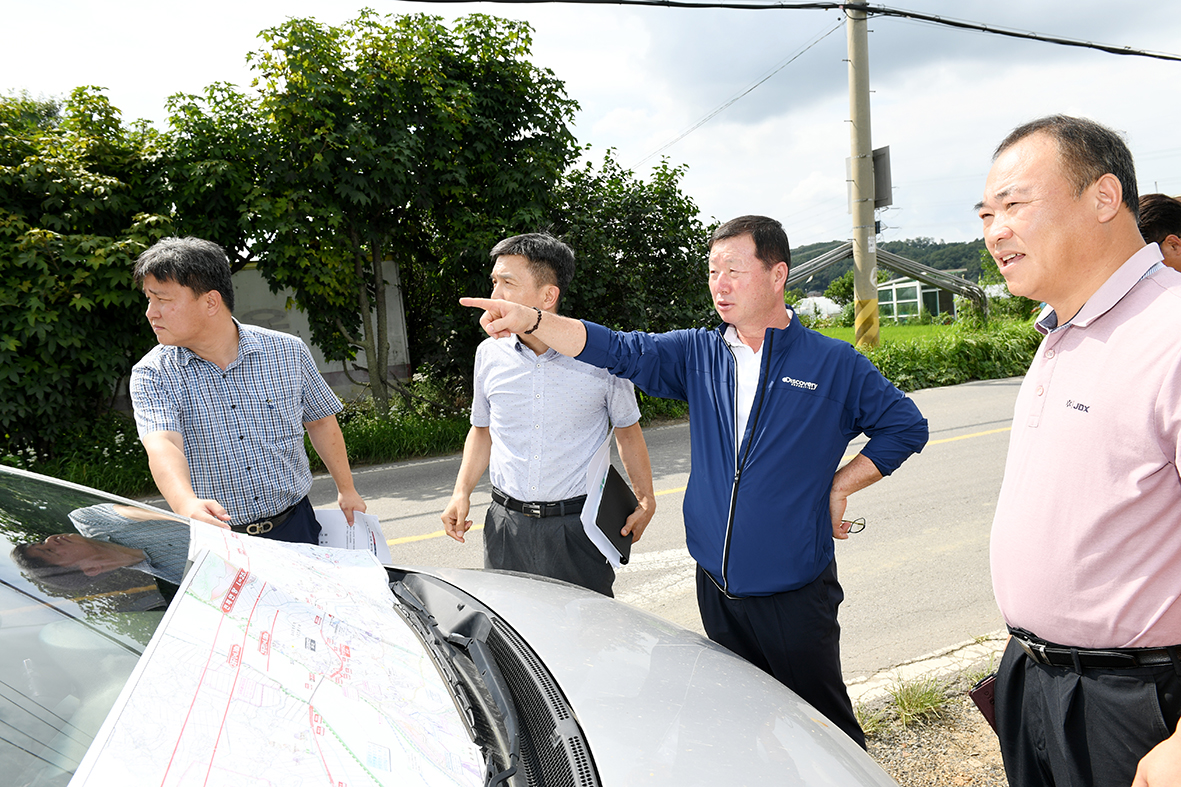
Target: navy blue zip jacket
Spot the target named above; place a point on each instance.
(756, 511)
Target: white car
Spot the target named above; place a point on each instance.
(546, 683)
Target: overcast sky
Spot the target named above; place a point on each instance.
(942, 97)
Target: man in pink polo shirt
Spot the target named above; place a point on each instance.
(1086, 543)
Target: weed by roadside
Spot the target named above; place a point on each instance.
(917, 699)
(954, 747)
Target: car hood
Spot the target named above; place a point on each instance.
(662, 705)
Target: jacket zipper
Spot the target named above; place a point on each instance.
(739, 465)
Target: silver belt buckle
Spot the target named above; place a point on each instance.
(531, 509)
(1035, 650)
(258, 528)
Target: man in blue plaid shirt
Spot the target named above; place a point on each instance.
(221, 407)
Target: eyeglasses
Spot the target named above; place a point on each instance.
(856, 525)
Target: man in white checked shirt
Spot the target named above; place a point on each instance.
(221, 407)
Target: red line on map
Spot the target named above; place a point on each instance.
(271, 643)
(189, 712)
(316, 738)
(237, 672)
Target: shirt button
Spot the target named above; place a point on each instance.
(1049, 353)
(256, 499)
(1040, 390)
(243, 437)
(233, 407)
(536, 426)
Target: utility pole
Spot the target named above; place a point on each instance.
(865, 289)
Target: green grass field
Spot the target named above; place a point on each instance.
(890, 332)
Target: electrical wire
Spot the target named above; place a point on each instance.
(872, 10)
(745, 92)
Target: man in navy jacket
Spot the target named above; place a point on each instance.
(772, 406)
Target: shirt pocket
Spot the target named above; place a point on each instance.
(278, 410)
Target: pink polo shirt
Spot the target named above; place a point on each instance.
(1086, 542)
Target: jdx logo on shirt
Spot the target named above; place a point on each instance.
(1073, 405)
(800, 383)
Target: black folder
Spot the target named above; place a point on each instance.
(617, 504)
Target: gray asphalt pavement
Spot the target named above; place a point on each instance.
(916, 579)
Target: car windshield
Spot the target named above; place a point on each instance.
(88, 581)
(79, 600)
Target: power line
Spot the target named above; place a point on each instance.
(873, 10)
(750, 89)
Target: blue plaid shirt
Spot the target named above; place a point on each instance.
(242, 427)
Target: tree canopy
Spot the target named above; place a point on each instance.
(79, 200)
(641, 250)
(388, 139)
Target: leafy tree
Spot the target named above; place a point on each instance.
(219, 151)
(387, 139)
(640, 247)
(78, 202)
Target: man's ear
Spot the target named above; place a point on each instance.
(1109, 195)
(550, 295)
(213, 301)
(779, 273)
(1170, 247)
(90, 567)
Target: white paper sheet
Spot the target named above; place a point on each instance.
(596, 476)
(365, 533)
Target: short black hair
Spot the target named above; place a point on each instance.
(1088, 151)
(770, 239)
(200, 265)
(550, 260)
(1160, 217)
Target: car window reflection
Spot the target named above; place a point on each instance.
(85, 587)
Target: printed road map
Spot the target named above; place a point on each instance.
(282, 665)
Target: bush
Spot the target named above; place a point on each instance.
(404, 435)
(105, 454)
(78, 202)
(957, 355)
(654, 409)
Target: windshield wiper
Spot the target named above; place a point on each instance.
(472, 637)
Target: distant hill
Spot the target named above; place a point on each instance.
(937, 254)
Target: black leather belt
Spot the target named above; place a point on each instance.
(1087, 658)
(266, 525)
(538, 510)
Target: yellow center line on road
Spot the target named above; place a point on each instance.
(679, 489)
(425, 536)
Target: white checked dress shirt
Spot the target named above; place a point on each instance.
(547, 415)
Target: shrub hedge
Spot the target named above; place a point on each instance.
(957, 355)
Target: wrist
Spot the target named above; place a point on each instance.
(537, 324)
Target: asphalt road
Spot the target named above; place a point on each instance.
(916, 579)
